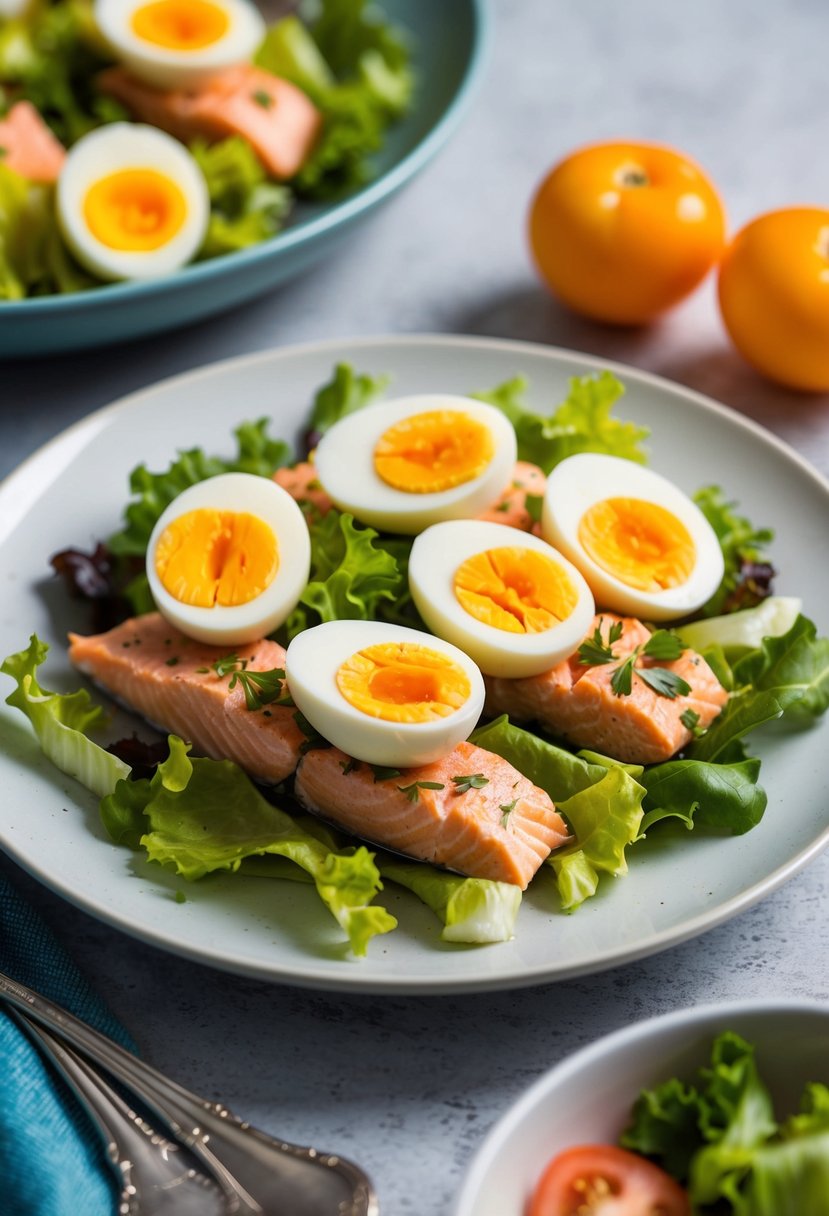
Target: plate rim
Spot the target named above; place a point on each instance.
(573, 1062)
(350, 979)
(352, 207)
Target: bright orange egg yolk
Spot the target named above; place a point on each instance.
(135, 210)
(180, 25)
(403, 682)
(209, 557)
(640, 543)
(433, 451)
(518, 590)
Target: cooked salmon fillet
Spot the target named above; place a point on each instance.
(151, 668)
(29, 147)
(578, 703)
(510, 508)
(276, 118)
(504, 830)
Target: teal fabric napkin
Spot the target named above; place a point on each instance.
(51, 1160)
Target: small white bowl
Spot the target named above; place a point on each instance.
(586, 1099)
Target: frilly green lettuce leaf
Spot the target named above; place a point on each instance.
(355, 67)
(473, 910)
(581, 423)
(60, 721)
(350, 575)
(346, 392)
(606, 818)
(205, 815)
(256, 453)
(557, 771)
(245, 207)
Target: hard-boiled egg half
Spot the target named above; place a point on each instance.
(405, 464)
(180, 44)
(509, 600)
(642, 545)
(229, 558)
(382, 693)
(131, 202)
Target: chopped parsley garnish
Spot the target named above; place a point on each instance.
(506, 808)
(595, 651)
(349, 765)
(172, 661)
(260, 687)
(263, 99)
(412, 791)
(502, 506)
(383, 774)
(690, 720)
(471, 781)
(662, 644)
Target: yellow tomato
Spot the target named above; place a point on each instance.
(774, 295)
(622, 231)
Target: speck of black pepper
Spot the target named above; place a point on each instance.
(126, 645)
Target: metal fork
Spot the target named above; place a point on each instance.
(261, 1176)
(155, 1177)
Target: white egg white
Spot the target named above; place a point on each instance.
(311, 666)
(235, 624)
(111, 149)
(581, 481)
(436, 555)
(174, 68)
(344, 462)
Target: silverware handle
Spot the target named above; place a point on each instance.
(267, 1176)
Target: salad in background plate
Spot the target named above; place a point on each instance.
(138, 136)
(765, 655)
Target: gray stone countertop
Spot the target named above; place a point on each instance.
(409, 1086)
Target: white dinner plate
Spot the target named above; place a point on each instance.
(680, 884)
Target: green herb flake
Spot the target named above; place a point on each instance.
(412, 791)
(507, 808)
(384, 774)
(690, 720)
(663, 645)
(180, 897)
(263, 99)
(349, 765)
(173, 661)
(595, 652)
(470, 781)
(622, 679)
(313, 738)
(503, 507)
(663, 682)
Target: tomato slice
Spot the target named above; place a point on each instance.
(601, 1180)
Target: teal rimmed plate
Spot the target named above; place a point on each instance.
(448, 52)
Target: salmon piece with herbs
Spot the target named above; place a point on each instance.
(471, 811)
(184, 688)
(28, 146)
(615, 697)
(276, 118)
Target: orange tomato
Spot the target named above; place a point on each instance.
(774, 295)
(622, 231)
